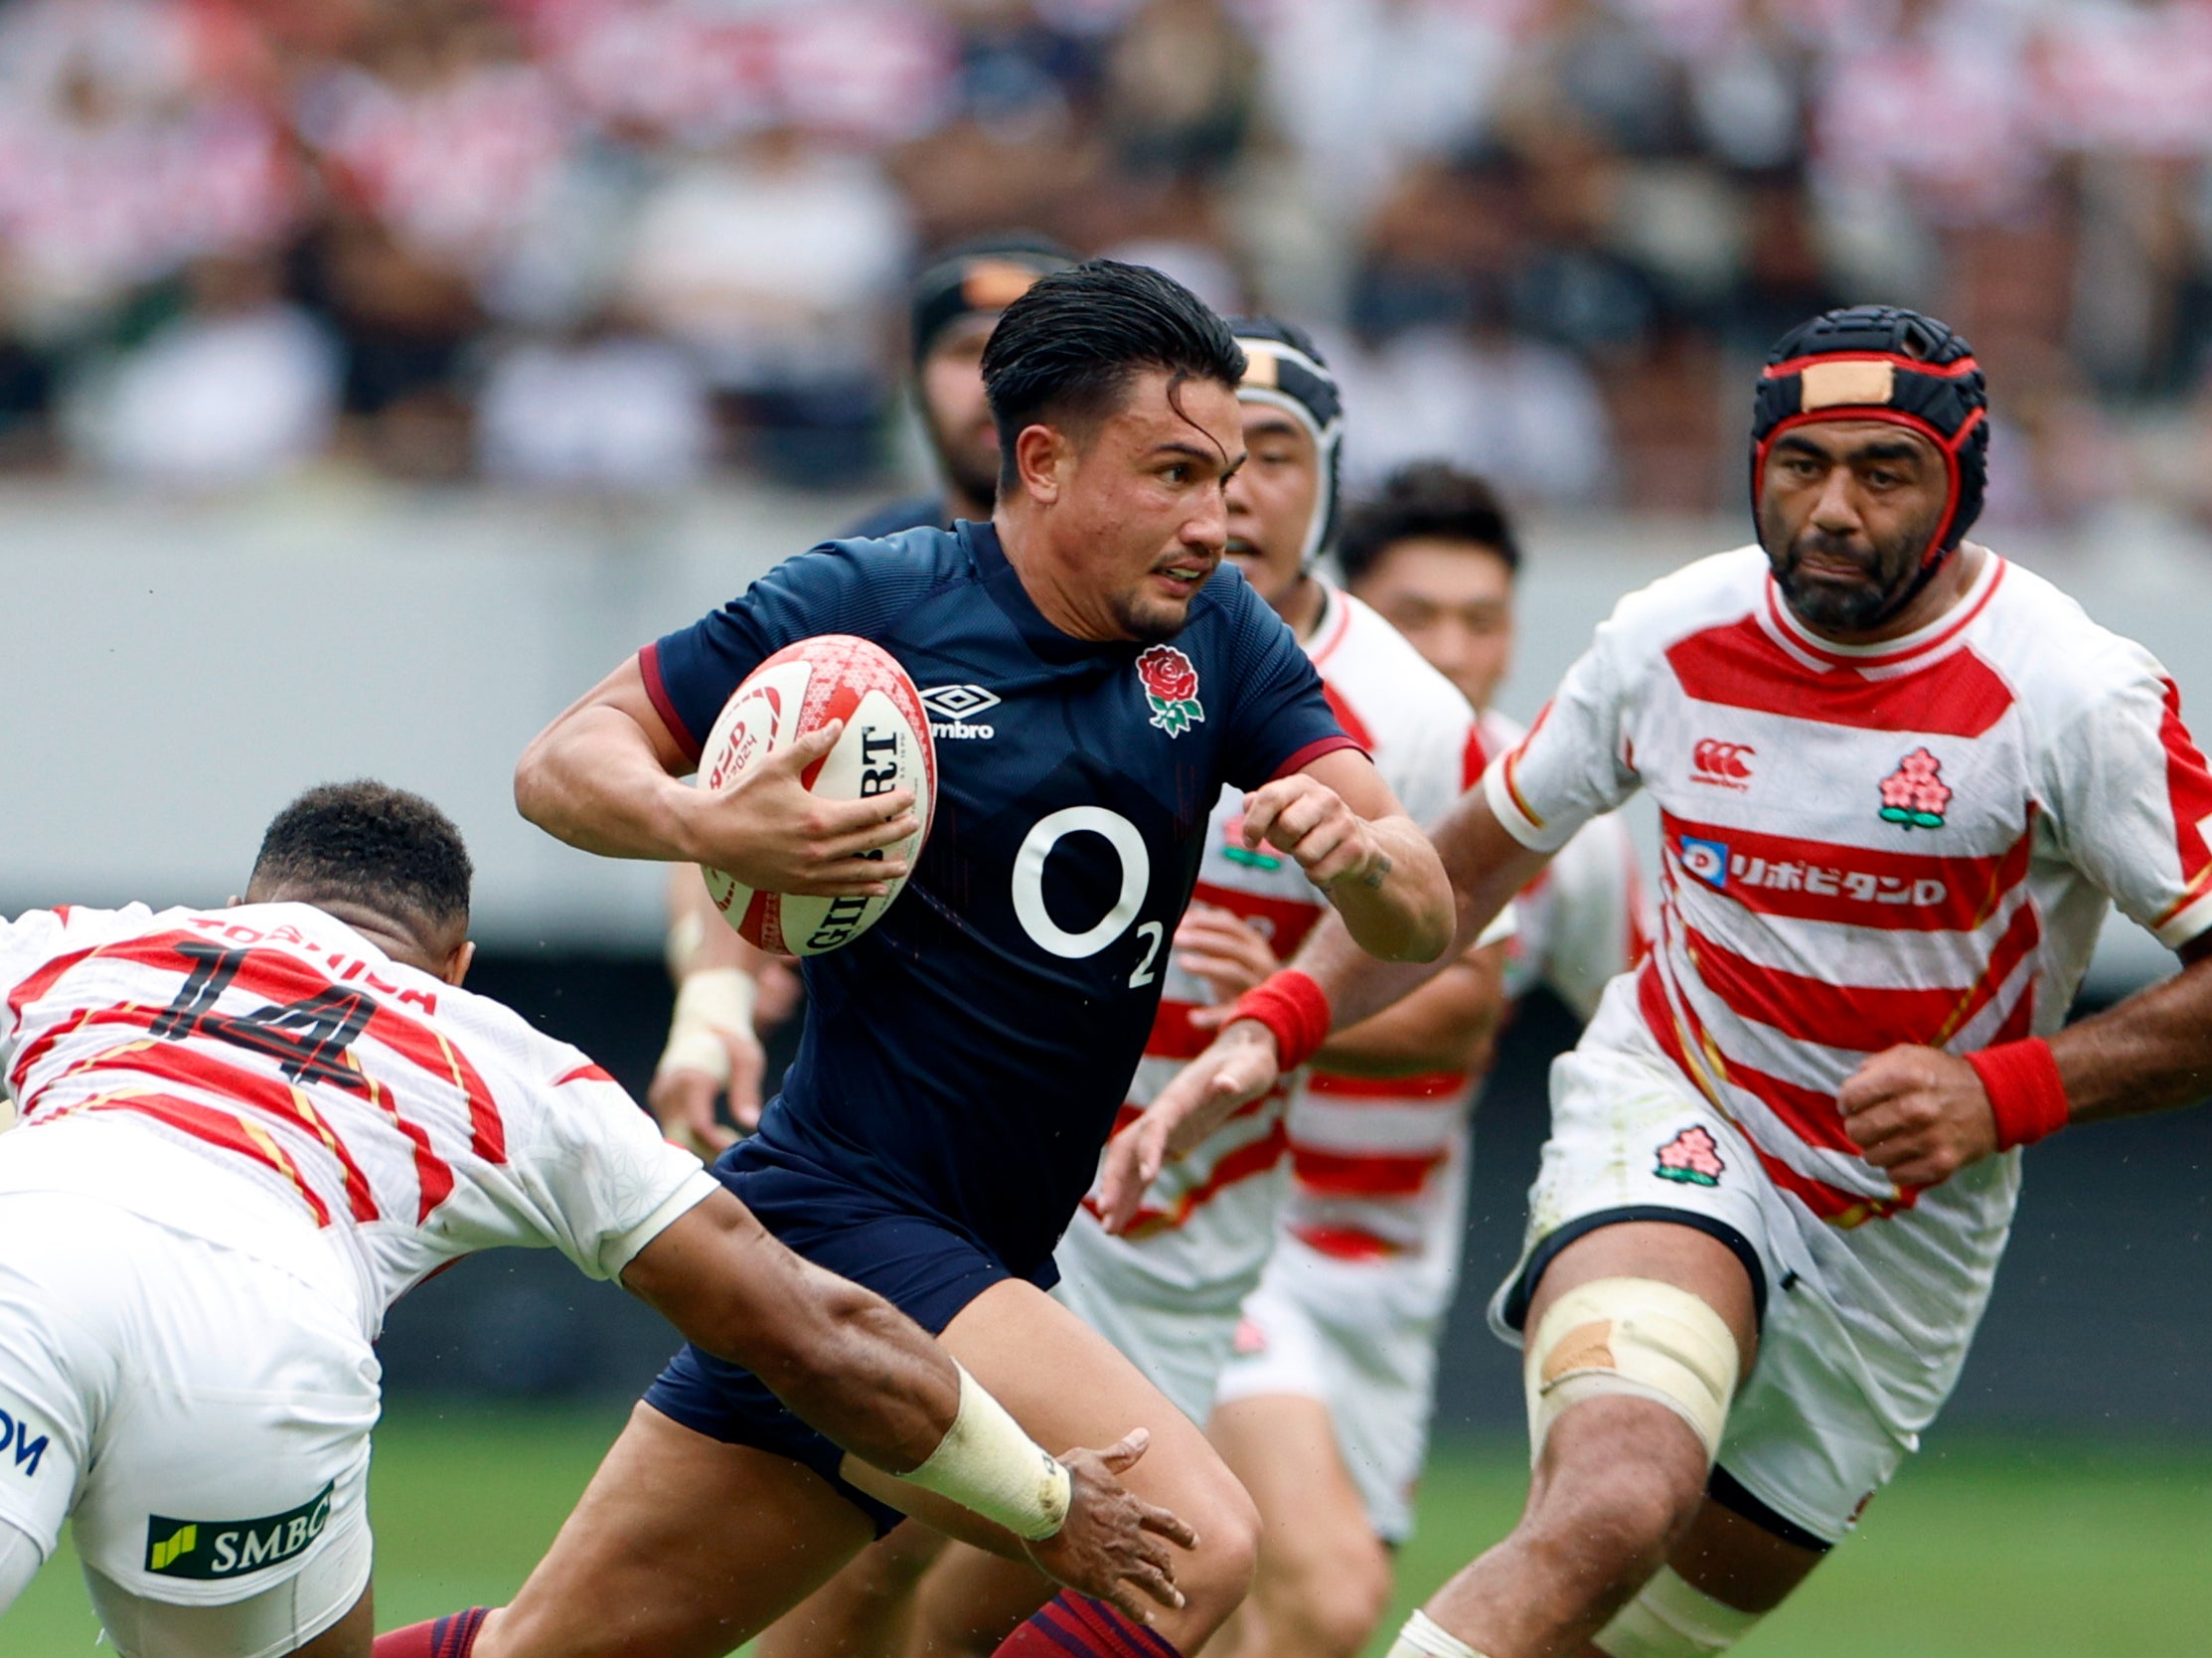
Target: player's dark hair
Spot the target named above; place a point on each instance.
(1429, 499)
(1065, 352)
(370, 843)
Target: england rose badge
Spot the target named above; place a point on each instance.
(1170, 685)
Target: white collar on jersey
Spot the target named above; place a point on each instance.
(1808, 647)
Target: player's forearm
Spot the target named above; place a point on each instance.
(592, 779)
(1447, 1025)
(2149, 1053)
(1484, 865)
(1401, 911)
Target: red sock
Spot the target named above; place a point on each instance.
(1074, 1625)
(451, 1636)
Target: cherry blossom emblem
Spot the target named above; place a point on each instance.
(1172, 688)
(1914, 795)
(1691, 1159)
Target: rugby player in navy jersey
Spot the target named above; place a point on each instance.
(966, 1058)
(720, 980)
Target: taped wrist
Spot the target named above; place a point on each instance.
(1670, 1618)
(1424, 1637)
(1296, 1012)
(2025, 1094)
(708, 1006)
(989, 1466)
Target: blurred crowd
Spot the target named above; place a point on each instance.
(628, 244)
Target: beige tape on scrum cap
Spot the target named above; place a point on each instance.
(1671, 1618)
(1634, 1336)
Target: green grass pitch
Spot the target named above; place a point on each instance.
(1981, 1549)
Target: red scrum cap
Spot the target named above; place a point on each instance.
(1882, 363)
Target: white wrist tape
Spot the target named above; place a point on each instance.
(708, 1006)
(684, 935)
(1424, 1637)
(1670, 1618)
(989, 1466)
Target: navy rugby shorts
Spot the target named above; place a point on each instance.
(918, 1265)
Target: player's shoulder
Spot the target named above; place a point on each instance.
(913, 512)
(1718, 591)
(1370, 662)
(2053, 656)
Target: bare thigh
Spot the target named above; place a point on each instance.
(969, 1601)
(865, 1610)
(1068, 1386)
(681, 1547)
(350, 1636)
(1324, 1577)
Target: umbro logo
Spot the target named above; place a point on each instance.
(950, 706)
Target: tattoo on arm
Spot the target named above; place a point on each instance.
(1377, 875)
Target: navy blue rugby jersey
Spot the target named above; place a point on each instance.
(965, 1057)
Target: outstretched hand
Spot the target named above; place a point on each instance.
(765, 830)
(1918, 1113)
(1113, 1545)
(1240, 1065)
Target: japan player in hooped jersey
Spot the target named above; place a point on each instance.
(1901, 783)
(964, 1060)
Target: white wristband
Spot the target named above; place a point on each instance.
(709, 1005)
(989, 1466)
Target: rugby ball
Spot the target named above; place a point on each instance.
(886, 746)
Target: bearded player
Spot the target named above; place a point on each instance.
(1168, 1293)
(722, 983)
(1899, 782)
(1323, 1410)
(965, 1057)
(248, 1131)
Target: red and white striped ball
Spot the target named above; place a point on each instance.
(886, 746)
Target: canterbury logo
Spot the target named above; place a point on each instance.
(1724, 764)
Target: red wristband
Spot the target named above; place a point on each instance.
(1292, 1007)
(2025, 1094)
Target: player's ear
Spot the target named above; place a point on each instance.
(233, 901)
(1041, 456)
(454, 968)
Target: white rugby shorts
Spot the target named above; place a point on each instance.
(1863, 1330)
(1179, 1338)
(203, 1413)
(1333, 1330)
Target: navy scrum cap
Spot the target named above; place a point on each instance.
(979, 279)
(1882, 363)
(1283, 368)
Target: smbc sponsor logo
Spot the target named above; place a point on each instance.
(211, 1550)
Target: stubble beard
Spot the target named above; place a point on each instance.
(1892, 570)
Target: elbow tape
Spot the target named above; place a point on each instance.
(989, 1466)
(1634, 1336)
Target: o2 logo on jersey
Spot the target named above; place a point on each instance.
(1136, 877)
(1707, 860)
(1722, 764)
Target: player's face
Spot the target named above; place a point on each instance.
(956, 413)
(1272, 499)
(1454, 602)
(1144, 501)
(1845, 513)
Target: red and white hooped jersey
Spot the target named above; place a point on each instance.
(1210, 1221)
(1379, 1167)
(247, 1074)
(1908, 843)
